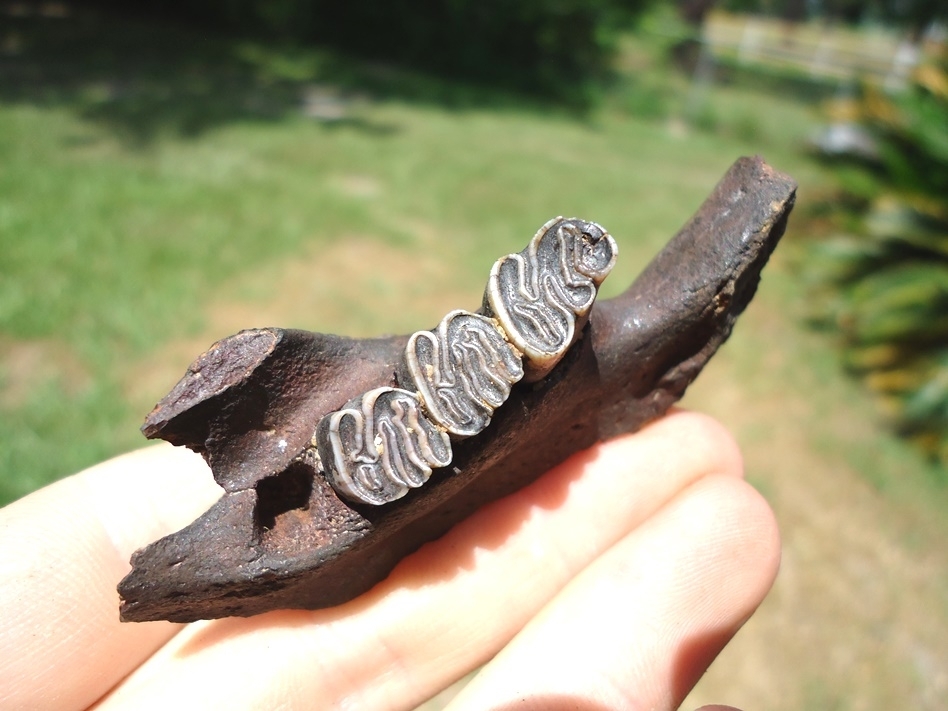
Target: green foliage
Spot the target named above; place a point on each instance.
(890, 298)
(549, 48)
(915, 14)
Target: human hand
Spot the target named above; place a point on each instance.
(610, 583)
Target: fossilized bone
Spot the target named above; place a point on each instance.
(281, 415)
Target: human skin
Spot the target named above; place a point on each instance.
(609, 583)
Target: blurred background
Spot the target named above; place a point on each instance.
(174, 173)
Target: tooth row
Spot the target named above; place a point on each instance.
(387, 441)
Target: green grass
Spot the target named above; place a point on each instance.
(135, 185)
(160, 190)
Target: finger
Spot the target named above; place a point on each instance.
(65, 549)
(639, 626)
(448, 607)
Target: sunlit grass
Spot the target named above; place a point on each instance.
(116, 235)
(112, 249)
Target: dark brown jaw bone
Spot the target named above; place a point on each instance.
(280, 536)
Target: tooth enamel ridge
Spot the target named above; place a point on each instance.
(387, 441)
(381, 445)
(463, 370)
(542, 295)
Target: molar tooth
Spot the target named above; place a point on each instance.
(380, 445)
(464, 370)
(543, 295)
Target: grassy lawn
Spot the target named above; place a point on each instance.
(164, 191)
(124, 209)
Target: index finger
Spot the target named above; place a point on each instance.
(65, 547)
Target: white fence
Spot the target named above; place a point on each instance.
(821, 50)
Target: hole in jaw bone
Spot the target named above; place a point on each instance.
(289, 490)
